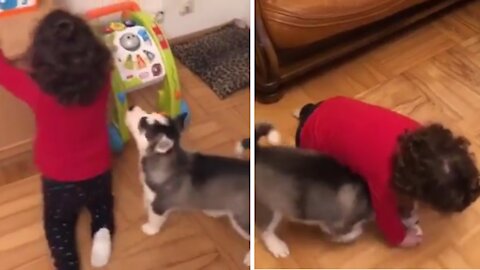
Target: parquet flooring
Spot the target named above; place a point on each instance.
(188, 240)
(431, 73)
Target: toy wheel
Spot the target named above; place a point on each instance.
(184, 109)
(116, 142)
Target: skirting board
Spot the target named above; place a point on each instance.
(13, 150)
(193, 35)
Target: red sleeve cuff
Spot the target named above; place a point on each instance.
(397, 238)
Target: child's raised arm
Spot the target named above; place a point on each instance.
(17, 81)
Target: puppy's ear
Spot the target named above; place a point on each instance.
(142, 124)
(180, 121)
(306, 111)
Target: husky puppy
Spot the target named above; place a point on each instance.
(175, 179)
(306, 187)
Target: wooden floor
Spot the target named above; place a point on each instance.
(431, 74)
(188, 241)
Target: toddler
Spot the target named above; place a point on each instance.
(402, 161)
(67, 87)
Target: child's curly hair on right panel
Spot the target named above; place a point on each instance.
(436, 167)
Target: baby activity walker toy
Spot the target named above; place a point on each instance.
(142, 57)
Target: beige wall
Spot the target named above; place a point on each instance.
(16, 120)
(16, 126)
(206, 13)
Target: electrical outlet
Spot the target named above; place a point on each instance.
(186, 7)
(160, 17)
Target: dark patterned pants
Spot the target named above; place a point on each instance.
(62, 205)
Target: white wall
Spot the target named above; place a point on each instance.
(206, 13)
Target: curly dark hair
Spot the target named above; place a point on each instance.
(304, 113)
(434, 166)
(67, 60)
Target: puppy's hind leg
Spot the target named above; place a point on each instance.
(241, 224)
(349, 236)
(275, 245)
(148, 196)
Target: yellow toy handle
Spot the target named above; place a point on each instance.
(124, 7)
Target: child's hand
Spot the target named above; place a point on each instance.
(413, 237)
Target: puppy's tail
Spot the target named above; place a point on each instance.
(261, 130)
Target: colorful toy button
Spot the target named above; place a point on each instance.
(129, 62)
(140, 62)
(157, 30)
(143, 34)
(129, 23)
(156, 69)
(150, 55)
(130, 42)
(117, 26)
(121, 97)
(109, 41)
(107, 30)
(178, 95)
(144, 75)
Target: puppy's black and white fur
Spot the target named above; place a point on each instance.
(175, 179)
(306, 187)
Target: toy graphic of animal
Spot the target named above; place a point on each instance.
(401, 160)
(306, 187)
(13, 7)
(8, 4)
(174, 179)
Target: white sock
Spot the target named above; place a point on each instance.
(101, 248)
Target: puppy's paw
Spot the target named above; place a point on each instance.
(277, 247)
(215, 213)
(348, 237)
(150, 229)
(246, 260)
(296, 113)
(101, 248)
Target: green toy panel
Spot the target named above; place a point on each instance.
(132, 57)
(169, 97)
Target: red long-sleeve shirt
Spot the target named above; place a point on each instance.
(71, 142)
(363, 137)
